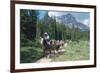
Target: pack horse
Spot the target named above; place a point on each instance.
(51, 47)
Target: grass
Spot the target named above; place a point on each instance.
(75, 51)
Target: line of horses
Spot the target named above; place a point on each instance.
(53, 47)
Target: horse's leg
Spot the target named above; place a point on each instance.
(50, 53)
(44, 53)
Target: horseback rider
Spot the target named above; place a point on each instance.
(46, 44)
(47, 38)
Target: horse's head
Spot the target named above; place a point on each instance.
(52, 42)
(61, 42)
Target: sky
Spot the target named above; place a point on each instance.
(41, 13)
(83, 17)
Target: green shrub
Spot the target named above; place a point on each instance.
(30, 54)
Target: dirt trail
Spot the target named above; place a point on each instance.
(44, 60)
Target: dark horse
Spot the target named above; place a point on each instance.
(47, 46)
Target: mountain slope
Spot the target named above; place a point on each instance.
(70, 21)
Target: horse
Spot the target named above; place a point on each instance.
(52, 47)
(57, 46)
(46, 47)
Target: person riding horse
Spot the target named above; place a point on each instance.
(46, 43)
(51, 47)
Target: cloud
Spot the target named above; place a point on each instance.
(86, 22)
(52, 13)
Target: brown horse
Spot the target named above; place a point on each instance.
(56, 46)
(52, 47)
